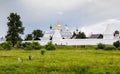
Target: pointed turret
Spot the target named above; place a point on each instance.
(108, 32)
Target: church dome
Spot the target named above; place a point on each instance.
(58, 27)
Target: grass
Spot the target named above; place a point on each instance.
(64, 60)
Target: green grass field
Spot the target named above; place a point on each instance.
(64, 60)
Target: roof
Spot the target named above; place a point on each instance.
(96, 36)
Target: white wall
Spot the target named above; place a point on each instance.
(87, 41)
(77, 41)
(80, 41)
(43, 42)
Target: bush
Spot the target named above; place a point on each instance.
(50, 46)
(30, 46)
(118, 48)
(116, 44)
(42, 51)
(19, 44)
(6, 46)
(36, 46)
(110, 48)
(100, 46)
(25, 44)
(1, 48)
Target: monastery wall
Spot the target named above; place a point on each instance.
(87, 41)
(78, 41)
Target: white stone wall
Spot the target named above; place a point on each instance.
(76, 41)
(87, 41)
(80, 41)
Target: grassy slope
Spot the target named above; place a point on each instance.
(64, 60)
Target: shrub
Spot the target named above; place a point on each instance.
(110, 48)
(36, 46)
(1, 48)
(27, 46)
(42, 51)
(116, 44)
(100, 46)
(50, 46)
(30, 46)
(19, 44)
(6, 45)
(108, 73)
(118, 48)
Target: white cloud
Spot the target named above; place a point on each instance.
(42, 13)
(88, 10)
(112, 24)
(54, 4)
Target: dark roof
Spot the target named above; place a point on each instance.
(96, 36)
(37, 38)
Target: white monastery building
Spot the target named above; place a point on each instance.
(60, 36)
(63, 36)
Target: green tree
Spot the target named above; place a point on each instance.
(116, 32)
(116, 44)
(37, 33)
(74, 35)
(29, 37)
(80, 35)
(14, 29)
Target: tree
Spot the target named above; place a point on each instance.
(74, 34)
(29, 37)
(116, 44)
(36, 34)
(80, 35)
(14, 29)
(116, 32)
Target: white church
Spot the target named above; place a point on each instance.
(62, 36)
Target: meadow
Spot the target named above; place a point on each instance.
(63, 60)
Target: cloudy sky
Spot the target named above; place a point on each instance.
(90, 16)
